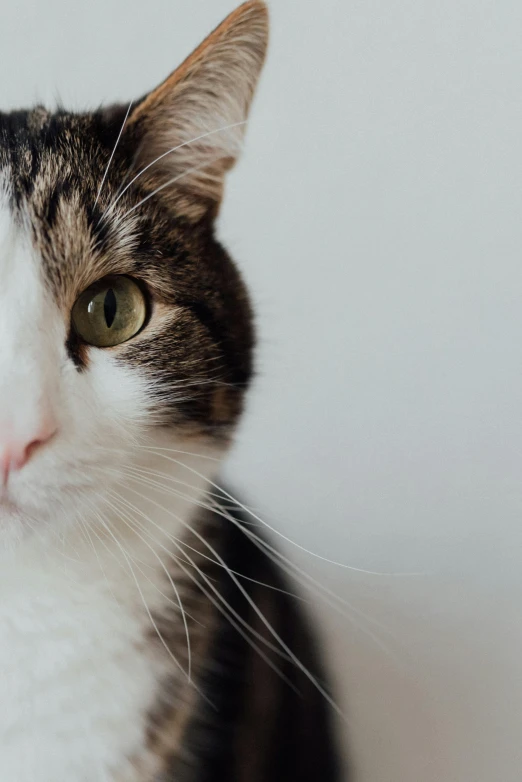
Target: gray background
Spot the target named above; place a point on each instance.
(376, 216)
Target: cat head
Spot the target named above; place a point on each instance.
(124, 325)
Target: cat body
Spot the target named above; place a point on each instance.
(146, 631)
(80, 675)
(77, 682)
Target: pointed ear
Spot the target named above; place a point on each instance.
(193, 124)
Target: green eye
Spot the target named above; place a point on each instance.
(109, 312)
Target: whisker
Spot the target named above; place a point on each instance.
(179, 605)
(155, 586)
(140, 591)
(136, 472)
(112, 154)
(259, 613)
(164, 154)
(168, 183)
(177, 450)
(280, 534)
(131, 469)
(329, 597)
(295, 573)
(323, 593)
(207, 580)
(223, 609)
(175, 589)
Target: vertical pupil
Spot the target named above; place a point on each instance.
(109, 307)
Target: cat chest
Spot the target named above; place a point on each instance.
(76, 684)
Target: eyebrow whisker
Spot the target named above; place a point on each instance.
(112, 153)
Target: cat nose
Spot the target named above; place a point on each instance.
(16, 452)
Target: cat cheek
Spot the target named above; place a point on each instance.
(115, 398)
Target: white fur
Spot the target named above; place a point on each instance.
(76, 678)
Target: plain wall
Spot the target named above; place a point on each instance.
(376, 217)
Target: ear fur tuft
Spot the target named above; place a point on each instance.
(201, 109)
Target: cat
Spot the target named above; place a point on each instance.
(146, 629)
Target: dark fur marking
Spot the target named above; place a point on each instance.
(252, 726)
(77, 350)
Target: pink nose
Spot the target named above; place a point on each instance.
(15, 453)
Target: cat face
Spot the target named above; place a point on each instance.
(123, 322)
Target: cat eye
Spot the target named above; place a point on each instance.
(109, 312)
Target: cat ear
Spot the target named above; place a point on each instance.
(190, 129)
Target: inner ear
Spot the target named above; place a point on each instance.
(188, 132)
